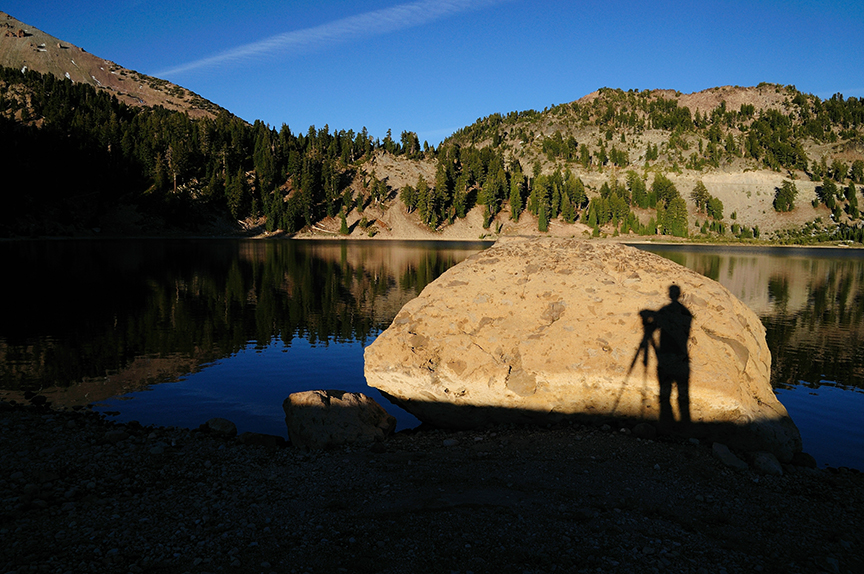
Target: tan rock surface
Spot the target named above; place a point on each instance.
(324, 419)
(539, 329)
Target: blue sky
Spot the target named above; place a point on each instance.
(433, 66)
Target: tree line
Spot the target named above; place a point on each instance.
(770, 137)
(182, 169)
(102, 151)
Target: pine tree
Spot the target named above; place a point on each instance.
(343, 229)
(592, 214)
(676, 217)
(567, 211)
(408, 195)
(784, 196)
(515, 198)
(637, 188)
(700, 196)
(715, 208)
(235, 195)
(663, 189)
(422, 199)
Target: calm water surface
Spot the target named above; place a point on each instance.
(811, 301)
(175, 332)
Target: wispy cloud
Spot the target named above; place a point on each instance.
(365, 25)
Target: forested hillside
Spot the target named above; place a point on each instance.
(628, 142)
(72, 155)
(75, 158)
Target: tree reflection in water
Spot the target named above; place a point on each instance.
(79, 311)
(94, 319)
(811, 302)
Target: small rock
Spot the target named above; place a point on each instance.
(803, 459)
(260, 439)
(830, 564)
(221, 427)
(115, 436)
(766, 463)
(645, 431)
(725, 455)
(450, 442)
(326, 418)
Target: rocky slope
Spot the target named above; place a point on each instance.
(23, 46)
(748, 194)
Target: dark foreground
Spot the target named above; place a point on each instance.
(78, 496)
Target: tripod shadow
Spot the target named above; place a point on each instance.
(672, 325)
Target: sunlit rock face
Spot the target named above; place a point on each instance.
(537, 330)
(324, 419)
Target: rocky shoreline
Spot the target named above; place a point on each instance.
(82, 494)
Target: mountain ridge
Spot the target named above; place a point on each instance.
(24, 46)
(503, 174)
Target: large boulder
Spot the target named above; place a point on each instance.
(537, 330)
(323, 419)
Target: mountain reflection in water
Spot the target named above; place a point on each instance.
(237, 325)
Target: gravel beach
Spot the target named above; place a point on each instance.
(81, 494)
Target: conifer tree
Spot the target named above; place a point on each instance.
(676, 217)
(567, 211)
(408, 195)
(784, 196)
(637, 188)
(343, 228)
(700, 196)
(542, 222)
(422, 199)
(715, 208)
(515, 199)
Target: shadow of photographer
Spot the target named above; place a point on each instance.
(667, 332)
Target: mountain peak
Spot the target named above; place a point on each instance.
(27, 48)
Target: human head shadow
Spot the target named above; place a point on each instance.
(666, 331)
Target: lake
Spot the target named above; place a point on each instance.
(174, 332)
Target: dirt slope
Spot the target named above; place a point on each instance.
(23, 46)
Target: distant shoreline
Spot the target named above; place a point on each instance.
(311, 237)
